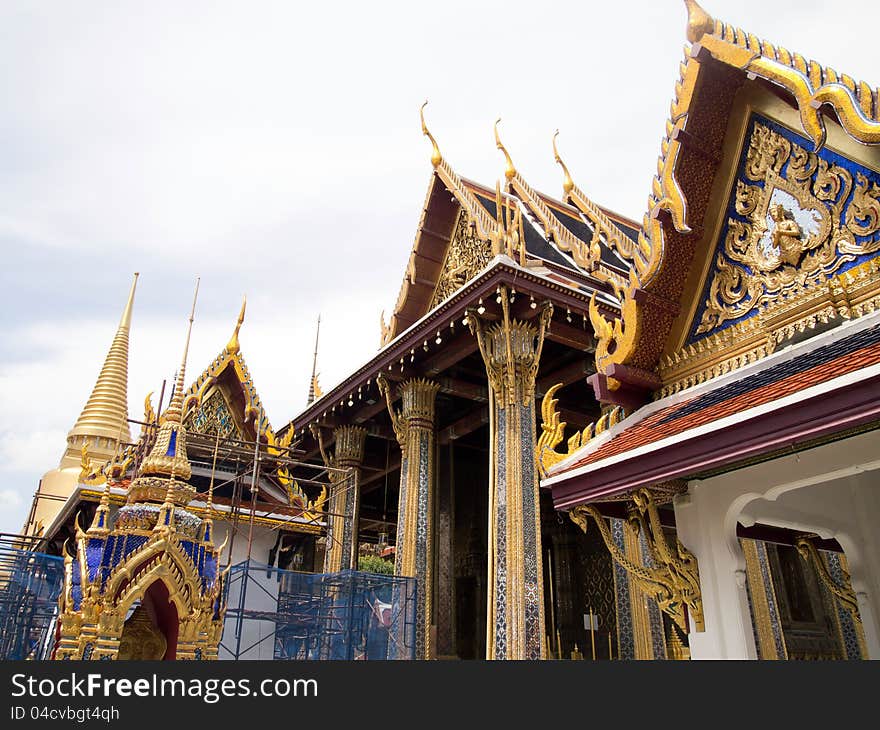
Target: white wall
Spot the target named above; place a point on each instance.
(832, 490)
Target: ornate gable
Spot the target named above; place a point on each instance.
(795, 219)
(799, 229)
(466, 256)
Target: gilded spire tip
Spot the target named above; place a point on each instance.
(125, 321)
(232, 346)
(567, 182)
(175, 407)
(699, 21)
(509, 170)
(436, 157)
(105, 414)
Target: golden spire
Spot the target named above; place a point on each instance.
(105, 415)
(232, 345)
(567, 182)
(436, 157)
(168, 454)
(314, 388)
(174, 414)
(509, 170)
(699, 21)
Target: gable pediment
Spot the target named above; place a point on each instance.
(797, 245)
(795, 218)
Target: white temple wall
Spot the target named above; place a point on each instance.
(261, 595)
(832, 490)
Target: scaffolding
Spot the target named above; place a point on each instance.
(288, 615)
(30, 583)
(308, 615)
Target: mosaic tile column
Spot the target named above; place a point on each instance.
(345, 498)
(414, 555)
(767, 626)
(511, 351)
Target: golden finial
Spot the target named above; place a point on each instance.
(232, 345)
(174, 414)
(567, 182)
(436, 157)
(699, 21)
(509, 170)
(107, 407)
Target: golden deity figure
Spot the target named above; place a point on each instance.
(786, 235)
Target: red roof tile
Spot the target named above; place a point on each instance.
(663, 423)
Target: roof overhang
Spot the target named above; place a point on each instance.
(834, 407)
(543, 285)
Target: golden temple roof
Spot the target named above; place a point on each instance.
(105, 414)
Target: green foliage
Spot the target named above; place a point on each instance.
(375, 564)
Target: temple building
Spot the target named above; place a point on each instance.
(585, 437)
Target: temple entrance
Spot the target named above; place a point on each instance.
(579, 590)
(799, 599)
(150, 630)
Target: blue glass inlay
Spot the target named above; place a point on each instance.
(94, 554)
(172, 444)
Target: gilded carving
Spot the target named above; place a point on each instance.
(675, 581)
(797, 227)
(553, 431)
(468, 254)
(211, 417)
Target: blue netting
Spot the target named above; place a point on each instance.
(30, 583)
(350, 615)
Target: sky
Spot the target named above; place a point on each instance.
(274, 150)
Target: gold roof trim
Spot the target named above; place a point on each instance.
(105, 414)
(610, 233)
(232, 345)
(856, 103)
(585, 256)
(477, 214)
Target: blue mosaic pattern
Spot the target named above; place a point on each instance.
(851, 645)
(531, 540)
(349, 525)
(422, 537)
(773, 608)
(825, 156)
(94, 555)
(396, 596)
(626, 648)
(655, 617)
(500, 547)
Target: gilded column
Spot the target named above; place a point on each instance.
(767, 625)
(345, 496)
(414, 557)
(647, 623)
(511, 351)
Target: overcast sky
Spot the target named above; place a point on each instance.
(274, 149)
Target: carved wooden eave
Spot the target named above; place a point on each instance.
(447, 196)
(718, 62)
(542, 282)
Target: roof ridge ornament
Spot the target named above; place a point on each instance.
(233, 345)
(436, 157)
(699, 21)
(509, 170)
(567, 182)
